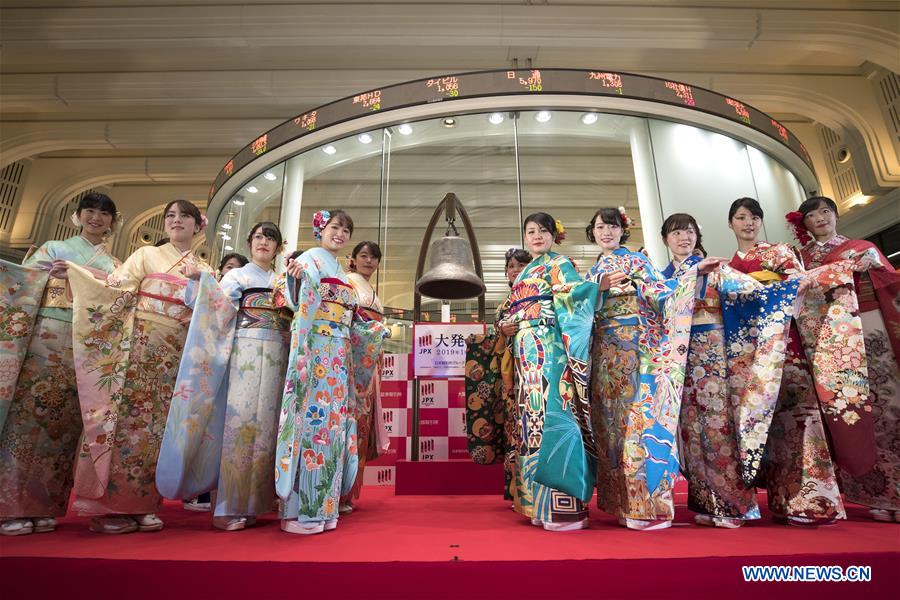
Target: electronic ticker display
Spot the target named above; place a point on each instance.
(481, 84)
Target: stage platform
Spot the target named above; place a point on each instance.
(442, 547)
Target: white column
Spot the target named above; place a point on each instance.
(291, 201)
(648, 193)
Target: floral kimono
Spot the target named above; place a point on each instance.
(223, 420)
(333, 355)
(709, 454)
(782, 437)
(129, 335)
(40, 417)
(555, 457)
(641, 336)
(878, 292)
(372, 437)
(491, 408)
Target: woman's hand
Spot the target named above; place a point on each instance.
(507, 329)
(59, 269)
(710, 264)
(611, 279)
(805, 284)
(191, 272)
(294, 268)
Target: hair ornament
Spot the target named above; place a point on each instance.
(628, 221)
(801, 233)
(509, 253)
(73, 219)
(560, 232)
(204, 222)
(319, 220)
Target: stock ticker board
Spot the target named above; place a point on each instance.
(483, 84)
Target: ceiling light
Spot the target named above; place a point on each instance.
(238, 202)
(329, 149)
(252, 189)
(271, 176)
(543, 116)
(449, 122)
(228, 248)
(495, 118)
(225, 236)
(405, 129)
(365, 138)
(589, 118)
(226, 226)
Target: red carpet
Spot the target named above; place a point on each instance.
(441, 547)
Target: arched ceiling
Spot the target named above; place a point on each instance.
(185, 85)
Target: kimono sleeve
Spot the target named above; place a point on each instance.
(129, 275)
(191, 449)
(567, 456)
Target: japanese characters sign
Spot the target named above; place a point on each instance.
(439, 349)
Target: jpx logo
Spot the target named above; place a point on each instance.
(388, 416)
(387, 367)
(426, 449)
(385, 477)
(425, 340)
(426, 394)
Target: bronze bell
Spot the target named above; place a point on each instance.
(452, 274)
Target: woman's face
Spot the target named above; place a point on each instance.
(365, 262)
(821, 222)
(538, 238)
(682, 242)
(746, 225)
(513, 268)
(335, 236)
(231, 263)
(262, 247)
(179, 225)
(94, 221)
(608, 237)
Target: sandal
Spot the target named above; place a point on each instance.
(16, 527)
(311, 528)
(230, 523)
(723, 522)
(147, 523)
(44, 524)
(113, 524)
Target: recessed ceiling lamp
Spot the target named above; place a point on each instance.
(238, 202)
(543, 116)
(365, 138)
(226, 226)
(405, 129)
(228, 248)
(252, 189)
(496, 118)
(225, 236)
(589, 118)
(329, 149)
(271, 176)
(449, 122)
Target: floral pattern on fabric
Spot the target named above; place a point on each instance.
(879, 487)
(641, 340)
(331, 358)
(709, 454)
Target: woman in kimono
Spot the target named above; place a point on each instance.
(710, 457)
(639, 352)
(129, 337)
(550, 309)
(491, 408)
(371, 434)
(229, 262)
(877, 289)
(43, 420)
(250, 381)
(783, 443)
(334, 354)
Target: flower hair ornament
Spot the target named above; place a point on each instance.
(560, 236)
(319, 220)
(795, 220)
(627, 221)
(204, 223)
